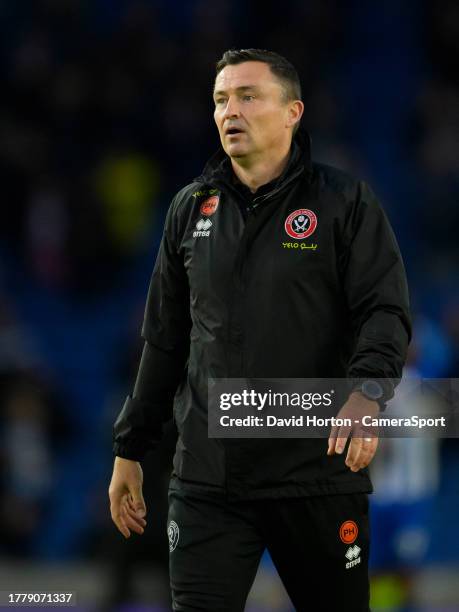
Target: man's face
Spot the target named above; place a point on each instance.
(250, 111)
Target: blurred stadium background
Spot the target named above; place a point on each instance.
(105, 112)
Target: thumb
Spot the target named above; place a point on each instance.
(138, 503)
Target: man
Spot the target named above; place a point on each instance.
(231, 296)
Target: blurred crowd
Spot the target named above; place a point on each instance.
(105, 112)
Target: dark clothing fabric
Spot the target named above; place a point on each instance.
(237, 295)
(216, 546)
(247, 197)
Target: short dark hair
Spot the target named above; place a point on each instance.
(280, 67)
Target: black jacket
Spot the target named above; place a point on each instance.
(236, 293)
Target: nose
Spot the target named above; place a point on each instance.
(232, 108)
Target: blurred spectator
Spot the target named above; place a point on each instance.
(406, 476)
(127, 185)
(451, 326)
(30, 434)
(17, 351)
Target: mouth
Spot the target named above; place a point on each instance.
(233, 131)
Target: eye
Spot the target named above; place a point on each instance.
(248, 98)
(219, 101)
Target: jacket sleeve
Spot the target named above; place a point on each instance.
(377, 295)
(166, 332)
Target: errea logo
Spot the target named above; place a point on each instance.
(353, 556)
(202, 228)
(348, 533)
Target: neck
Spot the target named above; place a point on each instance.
(262, 170)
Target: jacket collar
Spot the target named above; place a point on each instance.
(218, 169)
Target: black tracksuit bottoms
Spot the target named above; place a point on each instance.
(319, 545)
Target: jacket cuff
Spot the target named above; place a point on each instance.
(135, 450)
(133, 433)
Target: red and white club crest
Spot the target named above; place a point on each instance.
(301, 223)
(209, 206)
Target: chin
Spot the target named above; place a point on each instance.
(236, 150)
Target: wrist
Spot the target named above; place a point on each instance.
(360, 397)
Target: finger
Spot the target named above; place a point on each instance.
(132, 506)
(142, 522)
(367, 455)
(116, 502)
(131, 523)
(134, 515)
(353, 452)
(332, 440)
(342, 436)
(367, 451)
(120, 522)
(137, 501)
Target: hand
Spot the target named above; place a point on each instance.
(364, 443)
(127, 505)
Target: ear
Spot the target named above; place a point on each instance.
(294, 113)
